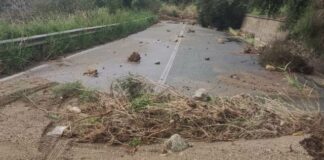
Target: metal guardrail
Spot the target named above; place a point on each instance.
(267, 18)
(42, 39)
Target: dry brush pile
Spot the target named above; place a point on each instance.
(134, 111)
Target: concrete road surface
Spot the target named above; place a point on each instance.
(188, 60)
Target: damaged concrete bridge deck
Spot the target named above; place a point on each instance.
(185, 56)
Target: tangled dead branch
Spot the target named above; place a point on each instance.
(113, 119)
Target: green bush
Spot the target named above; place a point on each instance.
(222, 13)
(153, 5)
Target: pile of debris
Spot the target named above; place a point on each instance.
(133, 111)
(315, 143)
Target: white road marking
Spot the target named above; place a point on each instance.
(169, 65)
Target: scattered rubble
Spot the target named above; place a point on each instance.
(181, 36)
(250, 50)
(91, 73)
(176, 144)
(191, 30)
(134, 57)
(201, 95)
(234, 76)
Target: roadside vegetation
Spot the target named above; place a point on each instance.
(28, 18)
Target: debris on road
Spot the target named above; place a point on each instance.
(176, 40)
(207, 59)
(157, 63)
(250, 50)
(270, 67)
(72, 109)
(135, 57)
(176, 144)
(221, 41)
(191, 31)
(141, 42)
(181, 36)
(201, 95)
(168, 30)
(57, 131)
(234, 76)
(91, 73)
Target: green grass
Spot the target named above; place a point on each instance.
(61, 22)
(17, 58)
(68, 90)
(141, 102)
(135, 142)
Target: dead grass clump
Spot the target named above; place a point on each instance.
(280, 54)
(168, 112)
(315, 143)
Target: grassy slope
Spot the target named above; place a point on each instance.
(16, 58)
(60, 22)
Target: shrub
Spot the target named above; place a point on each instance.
(280, 55)
(222, 13)
(153, 5)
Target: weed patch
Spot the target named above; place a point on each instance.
(222, 119)
(141, 102)
(75, 89)
(19, 56)
(280, 54)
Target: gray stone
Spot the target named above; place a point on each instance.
(201, 95)
(176, 144)
(57, 131)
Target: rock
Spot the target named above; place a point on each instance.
(176, 40)
(73, 109)
(181, 36)
(191, 30)
(168, 30)
(91, 73)
(157, 63)
(234, 76)
(207, 59)
(201, 95)
(176, 144)
(270, 67)
(221, 41)
(134, 57)
(57, 131)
